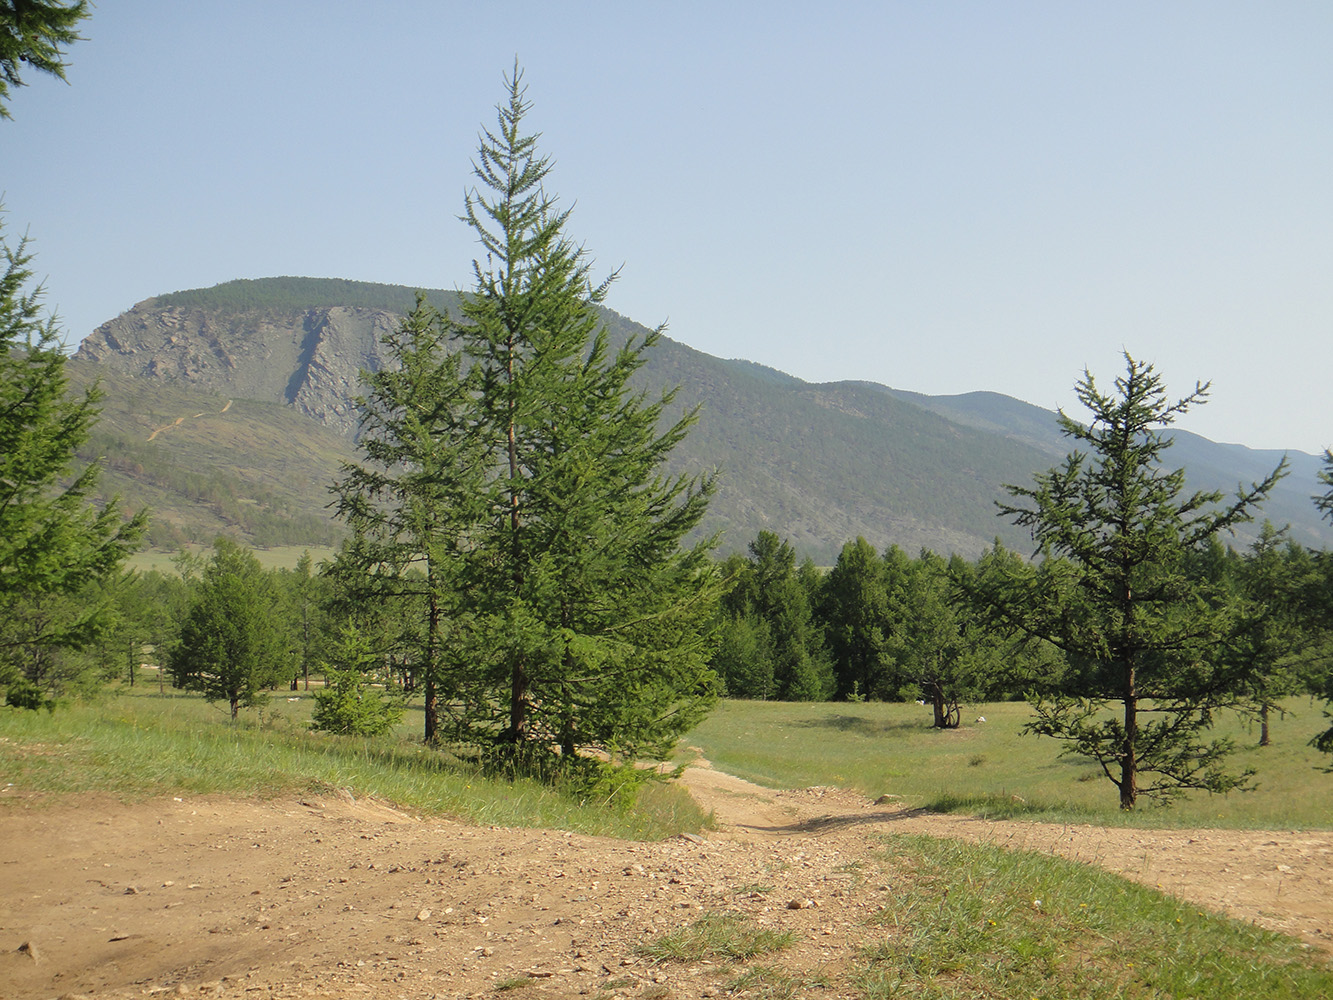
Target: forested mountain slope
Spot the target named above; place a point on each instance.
(818, 464)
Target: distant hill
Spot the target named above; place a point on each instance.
(819, 464)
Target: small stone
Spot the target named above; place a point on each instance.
(424, 915)
(29, 949)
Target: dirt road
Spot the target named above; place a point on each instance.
(343, 898)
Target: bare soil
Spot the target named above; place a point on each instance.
(337, 897)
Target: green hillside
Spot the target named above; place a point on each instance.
(818, 464)
(207, 466)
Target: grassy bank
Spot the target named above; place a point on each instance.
(975, 920)
(990, 769)
(140, 743)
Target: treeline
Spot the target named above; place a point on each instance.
(888, 627)
(302, 293)
(271, 625)
(894, 627)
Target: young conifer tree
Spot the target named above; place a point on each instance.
(1116, 533)
(415, 503)
(231, 645)
(54, 541)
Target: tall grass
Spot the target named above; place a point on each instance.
(990, 769)
(142, 743)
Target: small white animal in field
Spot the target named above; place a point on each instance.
(981, 718)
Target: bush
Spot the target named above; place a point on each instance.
(349, 706)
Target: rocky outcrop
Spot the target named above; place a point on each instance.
(310, 359)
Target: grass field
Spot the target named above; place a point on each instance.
(963, 921)
(988, 768)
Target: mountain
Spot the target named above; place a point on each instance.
(819, 464)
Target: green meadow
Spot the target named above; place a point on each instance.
(989, 768)
(967, 921)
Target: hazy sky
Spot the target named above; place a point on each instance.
(937, 196)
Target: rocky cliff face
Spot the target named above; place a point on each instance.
(310, 359)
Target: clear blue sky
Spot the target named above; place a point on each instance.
(937, 196)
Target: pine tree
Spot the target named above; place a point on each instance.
(561, 609)
(53, 541)
(416, 503)
(1116, 533)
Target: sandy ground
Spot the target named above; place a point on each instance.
(343, 898)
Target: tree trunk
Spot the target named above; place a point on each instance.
(432, 712)
(519, 682)
(1129, 762)
(937, 705)
(1263, 725)
(518, 701)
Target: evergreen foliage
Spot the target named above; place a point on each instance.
(1278, 644)
(230, 646)
(1115, 533)
(54, 542)
(32, 33)
(415, 504)
(510, 463)
(771, 645)
(854, 605)
(305, 594)
(351, 704)
(1324, 502)
(937, 644)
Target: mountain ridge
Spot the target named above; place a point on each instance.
(818, 463)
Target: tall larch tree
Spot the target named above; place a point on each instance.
(563, 608)
(598, 618)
